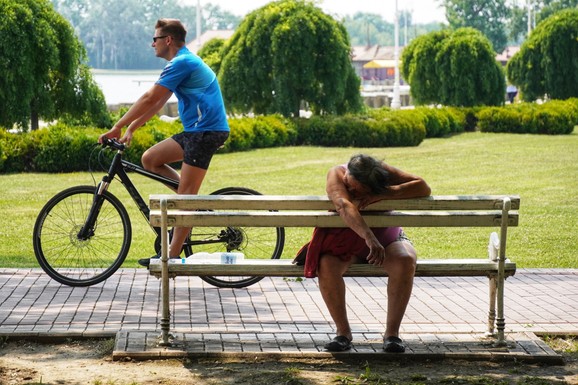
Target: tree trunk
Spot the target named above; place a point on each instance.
(34, 119)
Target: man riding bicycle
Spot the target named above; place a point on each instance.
(201, 110)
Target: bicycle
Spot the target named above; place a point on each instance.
(83, 234)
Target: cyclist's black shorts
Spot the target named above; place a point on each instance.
(199, 147)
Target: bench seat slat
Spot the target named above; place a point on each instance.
(331, 219)
(284, 268)
(308, 202)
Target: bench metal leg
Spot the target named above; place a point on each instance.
(165, 289)
(501, 321)
(492, 311)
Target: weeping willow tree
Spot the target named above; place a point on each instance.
(285, 54)
(547, 63)
(43, 74)
(453, 68)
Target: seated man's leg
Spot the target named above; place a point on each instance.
(400, 263)
(332, 287)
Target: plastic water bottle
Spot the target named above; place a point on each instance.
(224, 258)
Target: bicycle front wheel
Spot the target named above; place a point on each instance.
(253, 242)
(81, 261)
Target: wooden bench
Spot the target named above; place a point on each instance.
(316, 211)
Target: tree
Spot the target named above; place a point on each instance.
(488, 17)
(547, 63)
(453, 68)
(211, 53)
(541, 10)
(43, 75)
(369, 29)
(286, 53)
(117, 34)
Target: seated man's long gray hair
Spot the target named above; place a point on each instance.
(369, 171)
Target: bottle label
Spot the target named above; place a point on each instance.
(228, 258)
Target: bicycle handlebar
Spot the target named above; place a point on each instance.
(113, 143)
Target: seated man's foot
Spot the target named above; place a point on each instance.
(393, 345)
(338, 344)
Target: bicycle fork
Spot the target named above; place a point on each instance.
(88, 229)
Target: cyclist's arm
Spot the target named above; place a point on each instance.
(153, 101)
(144, 109)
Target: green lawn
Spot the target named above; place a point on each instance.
(543, 170)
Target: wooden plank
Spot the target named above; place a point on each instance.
(284, 268)
(331, 219)
(315, 202)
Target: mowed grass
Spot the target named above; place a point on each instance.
(543, 170)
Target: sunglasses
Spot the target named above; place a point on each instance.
(159, 37)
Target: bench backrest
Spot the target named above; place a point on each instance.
(316, 211)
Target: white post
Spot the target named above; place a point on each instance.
(198, 24)
(395, 102)
(529, 17)
(405, 28)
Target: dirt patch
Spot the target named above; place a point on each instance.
(90, 362)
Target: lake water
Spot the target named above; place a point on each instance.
(125, 87)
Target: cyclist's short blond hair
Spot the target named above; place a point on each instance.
(173, 28)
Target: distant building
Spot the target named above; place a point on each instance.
(375, 65)
(196, 44)
(505, 56)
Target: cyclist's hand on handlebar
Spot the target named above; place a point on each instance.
(113, 133)
(126, 138)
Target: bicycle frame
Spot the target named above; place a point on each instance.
(119, 167)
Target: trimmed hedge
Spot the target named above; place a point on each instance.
(382, 128)
(555, 117)
(260, 132)
(60, 148)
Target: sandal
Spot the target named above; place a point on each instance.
(393, 345)
(338, 344)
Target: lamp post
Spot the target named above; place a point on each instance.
(199, 19)
(529, 17)
(395, 102)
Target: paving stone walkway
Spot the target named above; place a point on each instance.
(446, 315)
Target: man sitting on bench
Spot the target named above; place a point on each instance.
(351, 187)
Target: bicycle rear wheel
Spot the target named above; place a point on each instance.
(74, 261)
(253, 242)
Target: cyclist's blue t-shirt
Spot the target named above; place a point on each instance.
(201, 106)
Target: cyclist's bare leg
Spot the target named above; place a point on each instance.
(158, 157)
(191, 180)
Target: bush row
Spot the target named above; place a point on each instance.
(60, 148)
(555, 117)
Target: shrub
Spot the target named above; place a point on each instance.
(379, 128)
(552, 118)
(260, 132)
(436, 124)
(494, 119)
(15, 152)
(60, 149)
(241, 135)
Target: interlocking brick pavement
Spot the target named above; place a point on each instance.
(279, 314)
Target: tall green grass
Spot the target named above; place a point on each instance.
(543, 170)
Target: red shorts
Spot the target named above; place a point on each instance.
(343, 243)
